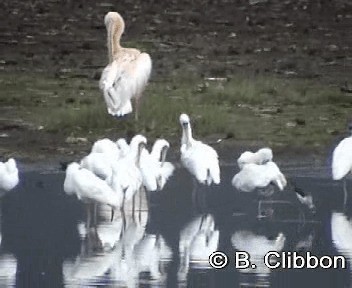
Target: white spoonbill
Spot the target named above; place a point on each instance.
(199, 159)
(101, 164)
(155, 170)
(8, 175)
(262, 156)
(254, 176)
(127, 178)
(127, 73)
(342, 161)
(90, 189)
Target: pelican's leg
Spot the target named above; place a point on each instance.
(137, 104)
(345, 193)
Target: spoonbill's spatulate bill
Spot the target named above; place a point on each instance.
(127, 73)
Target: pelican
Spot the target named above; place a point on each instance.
(342, 161)
(254, 176)
(90, 189)
(155, 170)
(260, 157)
(127, 73)
(199, 159)
(127, 178)
(8, 175)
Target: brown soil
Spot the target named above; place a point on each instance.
(294, 38)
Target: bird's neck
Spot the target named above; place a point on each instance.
(187, 136)
(115, 31)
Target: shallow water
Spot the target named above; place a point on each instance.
(44, 242)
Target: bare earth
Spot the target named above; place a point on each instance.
(299, 39)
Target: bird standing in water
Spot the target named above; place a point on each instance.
(127, 73)
(342, 161)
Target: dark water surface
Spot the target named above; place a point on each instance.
(44, 242)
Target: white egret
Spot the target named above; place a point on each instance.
(155, 171)
(342, 161)
(260, 157)
(127, 73)
(8, 175)
(90, 189)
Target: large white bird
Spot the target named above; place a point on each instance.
(127, 73)
(199, 159)
(262, 156)
(106, 146)
(101, 164)
(155, 170)
(8, 175)
(127, 177)
(90, 189)
(254, 176)
(342, 161)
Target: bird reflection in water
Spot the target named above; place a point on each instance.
(121, 255)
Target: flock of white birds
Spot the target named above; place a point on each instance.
(116, 172)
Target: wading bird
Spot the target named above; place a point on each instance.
(199, 159)
(260, 157)
(127, 73)
(253, 176)
(90, 189)
(8, 176)
(155, 170)
(342, 161)
(127, 178)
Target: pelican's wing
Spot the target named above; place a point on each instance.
(342, 159)
(123, 79)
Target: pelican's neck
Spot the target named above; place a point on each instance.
(187, 135)
(115, 30)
